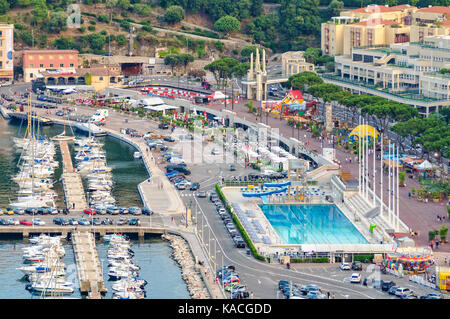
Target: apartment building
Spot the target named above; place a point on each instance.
(382, 25)
(6, 53)
(406, 72)
(37, 61)
(293, 62)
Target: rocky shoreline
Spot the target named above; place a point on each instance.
(182, 255)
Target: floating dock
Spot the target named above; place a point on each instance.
(72, 184)
(88, 264)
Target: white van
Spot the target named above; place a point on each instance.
(99, 116)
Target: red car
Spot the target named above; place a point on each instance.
(90, 211)
(25, 222)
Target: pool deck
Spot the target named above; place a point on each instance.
(234, 195)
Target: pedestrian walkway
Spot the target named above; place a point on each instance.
(157, 193)
(74, 195)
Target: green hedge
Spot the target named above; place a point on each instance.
(308, 260)
(362, 258)
(239, 226)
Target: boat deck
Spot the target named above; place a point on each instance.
(72, 184)
(88, 264)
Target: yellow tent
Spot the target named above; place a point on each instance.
(363, 130)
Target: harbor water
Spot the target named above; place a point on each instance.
(154, 256)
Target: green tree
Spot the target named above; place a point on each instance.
(301, 80)
(4, 6)
(312, 55)
(121, 40)
(142, 9)
(173, 60)
(227, 24)
(248, 50)
(222, 69)
(57, 22)
(335, 7)
(174, 14)
(240, 70)
(185, 59)
(40, 10)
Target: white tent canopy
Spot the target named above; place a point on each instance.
(217, 95)
(424, 165)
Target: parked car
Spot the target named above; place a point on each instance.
(25, 222)
(72, 221)
(90, 211)
(122, 221)
(314, 294)
(215, 151)
(239, 242)
(163, 126)
(386, 285)
(83, 221)
(433, 295)
(392, 290)
(60, 221)
(402, 291)
(357, 265)
(95, 221)
(232, 167)
(195, 186)
(134, 210)
(134, 222)
(107, 221)
(147, 211)
(409, 295)
(345, 266)
(113, 210)
(308, 288)
(3, 222)
(355, 278)
(202, 194)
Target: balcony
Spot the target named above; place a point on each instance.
(372, 89)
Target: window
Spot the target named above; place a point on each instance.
(71, 65)
(61, 57)
(1, 52)
(50, 57)
(1, 42)
(41, 57)
(31, 65)
(61, 65)
(31, 75)
(101, 78)
(41, 65)
(51, 65)
(30, 57)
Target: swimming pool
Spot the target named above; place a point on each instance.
(312, 224)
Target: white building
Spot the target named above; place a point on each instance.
(405, 72)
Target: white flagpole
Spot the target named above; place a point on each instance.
(374, 187)
(367, 161)
(389, 184)
(362, 158)
(381, 176)
(359, 156)
(398, 194)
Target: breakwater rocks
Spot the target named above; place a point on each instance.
(182, 255)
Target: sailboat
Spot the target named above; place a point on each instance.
(36, 169)
(62, 136)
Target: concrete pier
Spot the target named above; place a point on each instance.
(88, 264)
(72, 184)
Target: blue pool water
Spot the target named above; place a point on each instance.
(312, 224)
